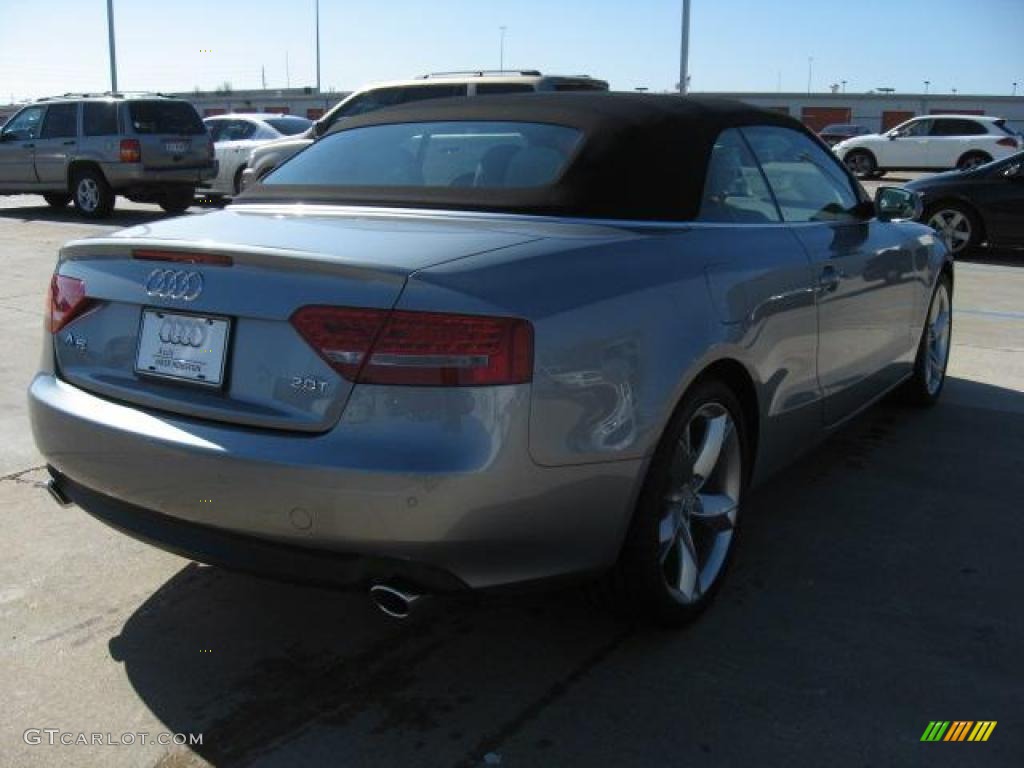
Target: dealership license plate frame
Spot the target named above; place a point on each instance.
(147, 367)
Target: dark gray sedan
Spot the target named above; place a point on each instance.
(485, 343)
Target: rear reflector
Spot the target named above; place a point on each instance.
(131, 151)
(185, 257)
(66, 300)
(1008, 142)
(373, 346)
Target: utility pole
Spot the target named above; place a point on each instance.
(926, 84)
(810, 69)
(287, 72)
(501, 51)
(684, 50)
(318, 46)
(844, 85)
(263, 76)
(110, 40)
(1014, 88)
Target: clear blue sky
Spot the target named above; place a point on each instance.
(976, 46)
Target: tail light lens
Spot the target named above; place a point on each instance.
(131, 151)
(67, 300)
(1009, 141)
(371, 346)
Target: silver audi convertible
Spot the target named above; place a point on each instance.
(474, 344)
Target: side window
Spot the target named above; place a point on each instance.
(236, 130)
(368, 102)
(99, 118)
(25, 124)
(424, 92)
(917, 128)
(483, 89)
(214, 128)
(808, 182)
(61, 122)
(957, 127)
(734, 188)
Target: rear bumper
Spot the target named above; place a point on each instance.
(247, 553)
(125, 176)
(439, 480)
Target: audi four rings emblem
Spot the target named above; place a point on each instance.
(185, 333)
(174, 284)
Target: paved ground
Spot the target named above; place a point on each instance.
(878, 586)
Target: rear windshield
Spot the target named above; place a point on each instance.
(481, 154)
(165, 117)
(289, 126)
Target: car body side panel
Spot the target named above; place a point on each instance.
(623, 326)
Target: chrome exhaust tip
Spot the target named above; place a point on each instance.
(57, 494)
(396, 603)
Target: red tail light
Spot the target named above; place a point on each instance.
(1009, 141)
(131, 151)
(184, 257)
(67, 300)
(372, 346)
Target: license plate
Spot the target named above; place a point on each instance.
(188, 348)
(177, 147)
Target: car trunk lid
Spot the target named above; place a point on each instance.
(240, 275)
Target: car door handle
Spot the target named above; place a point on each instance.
(828, 280)
(69, 143)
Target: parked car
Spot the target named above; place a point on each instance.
(833, 134)
(91, 147)
(983, 204)
(932, 143)
(438, 85)
(235, 136)
(487, 343)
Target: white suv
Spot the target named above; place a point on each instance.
(935, 142)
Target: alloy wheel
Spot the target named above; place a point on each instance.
(87, 194)
(699, 511)
(954, 226)
(937, 343)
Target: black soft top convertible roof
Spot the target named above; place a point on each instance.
(644, 156)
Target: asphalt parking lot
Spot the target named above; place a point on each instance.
(877, 587)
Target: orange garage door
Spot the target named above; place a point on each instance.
(893, 117)
(817, 118)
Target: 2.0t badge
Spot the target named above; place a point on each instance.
(174, 284)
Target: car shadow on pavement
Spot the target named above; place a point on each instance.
(994, 255)
(121, 217)
(872, 592)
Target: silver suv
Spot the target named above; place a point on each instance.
(438, 85)
(91, 147)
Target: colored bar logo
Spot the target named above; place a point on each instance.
(958, 730)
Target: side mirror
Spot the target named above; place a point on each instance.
(897, 204)
(1015, 172)
(6, 136)
(893, 135)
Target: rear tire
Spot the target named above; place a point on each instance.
(57, 199)
(861, 163)
(683, 533)
(178, 201)
(973, 160)
(925, 386)
(93, 196)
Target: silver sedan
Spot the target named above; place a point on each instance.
(469, 345)
(235, 136)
